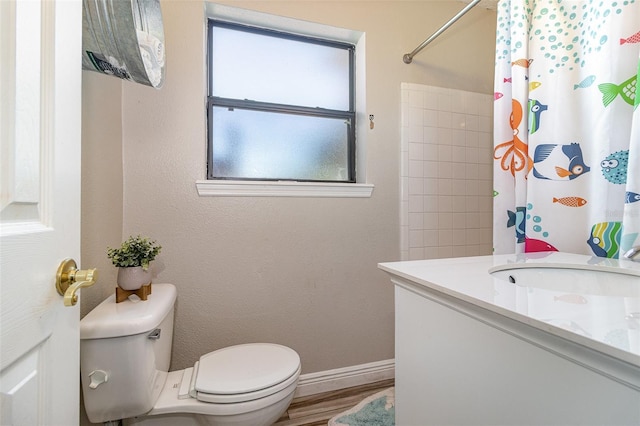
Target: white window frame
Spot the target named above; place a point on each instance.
(360, 189)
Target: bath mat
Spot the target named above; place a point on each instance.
(375, 410)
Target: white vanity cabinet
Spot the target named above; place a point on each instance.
(473, 349)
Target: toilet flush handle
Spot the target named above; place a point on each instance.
(155, 334)
(98, 377)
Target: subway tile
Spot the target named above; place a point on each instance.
(445, 186)
(471, 122)
(473, 236)
(458, 153)
(472, 220)
(416, 99)
(445, 170)
(416, 186)
(416, 168)
(457, 100)
(444, 102)
(458, 187)
(471, 106)
(444, 119)
(404, 254)
(430, 135)
(471, 171)
(445, 237)
(416, 204)
(485, 140)
(471, 187)
(472, 250)
(416, 221)
(459, 220)
(471, 155)
(430, 203)
(471, 139)
(458, 137)
(430, 237)
(458, 168)
(471, 204)
(485, 204)
(485, 219)
(485, 155)
(445, 136)
(431, 253)
(415, 238)
(445, 221)
(458, 203)
(430, 101)
(431, 186)
(485, 105)
(458, 120)
(445, 252)
(416, 151)
(430, 117)
(484, 124)
(458, 237)
(415, 134)
(486, 235)
(416, 253)
(431, 169)
(430, 220)
(445, 153)
(430, 152)
(416, 116)
(485, 188)
(485, 171)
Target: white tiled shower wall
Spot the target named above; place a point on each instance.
(446, 173)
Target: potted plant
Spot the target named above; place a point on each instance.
(132, 259)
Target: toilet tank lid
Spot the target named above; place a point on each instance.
(111, 319)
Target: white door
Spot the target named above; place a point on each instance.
(40, 97)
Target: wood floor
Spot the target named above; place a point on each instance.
(316, 410)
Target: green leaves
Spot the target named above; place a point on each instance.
(135, 251)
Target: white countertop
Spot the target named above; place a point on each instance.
(592, 301)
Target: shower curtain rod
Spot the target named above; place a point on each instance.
(408, 57)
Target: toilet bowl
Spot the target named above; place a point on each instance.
(125, 353)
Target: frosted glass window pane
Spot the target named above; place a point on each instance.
(263, 68)
(265, 145)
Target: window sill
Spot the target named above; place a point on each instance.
(234, 188)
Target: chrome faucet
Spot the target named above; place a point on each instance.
(633, 253)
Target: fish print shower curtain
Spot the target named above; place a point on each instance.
(567, 127)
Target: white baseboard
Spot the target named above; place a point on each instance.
(340, 378)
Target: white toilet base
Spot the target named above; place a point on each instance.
(265, 417)
(191, 412)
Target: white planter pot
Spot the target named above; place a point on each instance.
(133, 278)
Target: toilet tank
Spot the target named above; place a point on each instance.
(125, 352)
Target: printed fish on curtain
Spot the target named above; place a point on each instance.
(567, 127)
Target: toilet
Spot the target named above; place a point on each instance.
(125, 352)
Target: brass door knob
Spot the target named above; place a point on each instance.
(70, 279)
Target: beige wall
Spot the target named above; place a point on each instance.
(296, 271)
(101, 180)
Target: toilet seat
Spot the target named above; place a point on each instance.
(243, 373)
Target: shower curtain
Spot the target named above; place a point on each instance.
(567, 127)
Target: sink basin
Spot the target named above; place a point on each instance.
(567, 278)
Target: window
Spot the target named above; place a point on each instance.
(280, 106)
